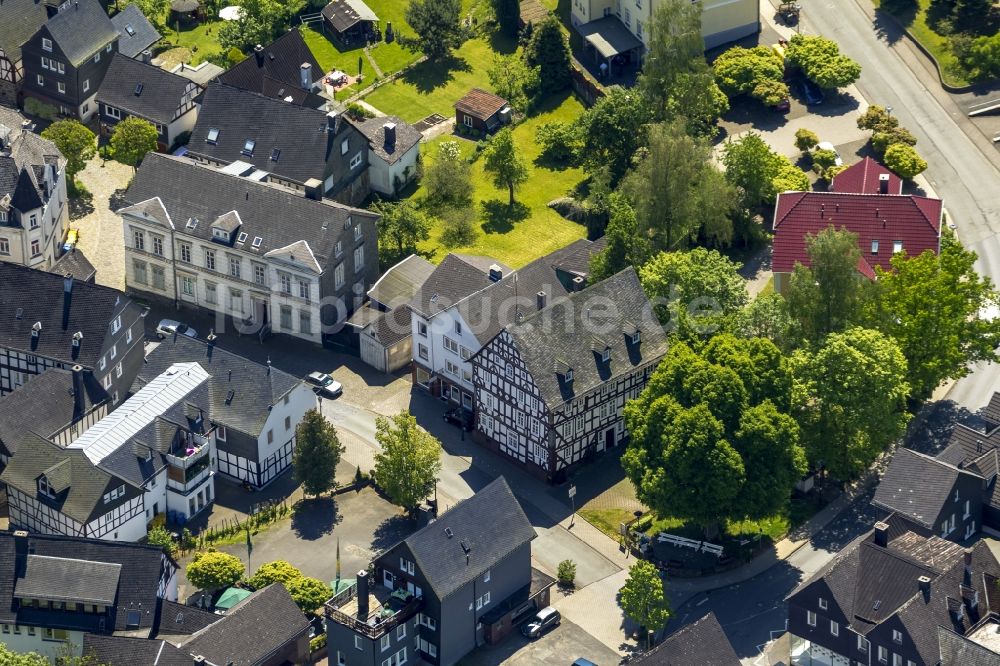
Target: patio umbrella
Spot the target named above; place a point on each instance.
(230, 13)
(184, 6)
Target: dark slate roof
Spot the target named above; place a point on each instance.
(701, 643)
(863, 178)
(19, 21)
(40, 298)
(136, 33)
(455, 278)
(269, 616)
(159, 91)
(957, 650)
(865, 573)
(480, 104)
(22, 161)
(966, 444)
(255, 386)
(916, 221)
(279, 215)
(141, 568)
(407, 137)
(991, 412)
(179, 620)
(68, 579)
(275, 70)
(74, 263)
(45, 405)
(86, 482)
(917, 486)
(400, 283)
(123, 651)
(344, 14)
(81, 30)
(491, 524)
(297, 131)
(562, 336)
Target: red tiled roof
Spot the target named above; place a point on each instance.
(886, 218)
(480, 104)
(862, 178)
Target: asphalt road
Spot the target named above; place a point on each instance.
(959, 171)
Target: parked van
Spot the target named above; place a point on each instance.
(545, 619)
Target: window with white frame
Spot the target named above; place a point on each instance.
(862, 643)
(358, 643)
(186, 253)
(356, 160)
(810, 618)
(210, 259)
(112, 112)
(338, 276)
(304, 289)
(61, 87)
(486, 576)
(5, 246)
(406, 565)
(357, 232)
(359, 258)
(187, 285)
(345, 145)
(883, 655)
(260, 274)
(422, 352)
(235, 267)
(401, 632)
(305, 322)
(286, 283)
(210, 293)
(86, 85)
(236, 301)
(386, 642)
(422, 329)
(139, 272)
(159, 278)
(897, 636)
(158, 245)
(822, 603)
(834, 628)
(450, 345)
(40, 80)
(138, 239)
(46, 44)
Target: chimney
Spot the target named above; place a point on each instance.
(258, 52)
(78, 391)
(314, 189)
(579, 283)
(925, 584)
(36, 328)
(199, 660)
(390, 135)
(20, 553)
(362, 596)
(540, 300)
(146, 56)
(496, 273)
(332, 122)
(967, 558)
(881, 534)
(883, 183)
(306, 76)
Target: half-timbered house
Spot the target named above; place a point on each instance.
(550, 388)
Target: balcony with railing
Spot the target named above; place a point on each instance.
(387, 609)
(188, 449)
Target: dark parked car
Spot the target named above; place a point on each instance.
(784, 106)
(459, 416)
(810, 92)
(544, 620)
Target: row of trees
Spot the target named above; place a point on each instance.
(214, 570)
(131, 139)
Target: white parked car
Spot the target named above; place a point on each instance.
(168, 327)
(826, 145)
(326, 385)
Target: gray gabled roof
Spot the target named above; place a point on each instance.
(22, 163)
(269, 616)
(69, 579)
(484, 529)
(74, 263)
(563, 336)
(991, 412)
(124, 651)
(279, 216)
(275, 71)
(407, 136)
(81, 28)
(136, 33)
(19, 21)
(456, 277)
(701, 643)
(917, 486)
(143, 90)
(400, 283)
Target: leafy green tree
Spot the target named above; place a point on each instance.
(613, 130)
(904, 160)
(316, 454)
(756, 72)
(826, 296)
(132, 139)
(852, 400)
(823, 160)
(821, 61)
(408, 462)
(677, 193)
(504, 163)
(234, 56)
(765, 371)
(278, 571)
(402, 226)
(933, 307)
(559, 141)
(448, 178)
(624, 246)
(643, 598)
(877, 119)
(694, 292)
(766, 317)
(508, 14)
(805, 139)
(459, 227)
(214, 570)
(768, 442)
(513, 79)
(437, 24)
(308, 593)
(982, 57)
(751, 167)
(548, 50)
(154, 10)
(790, 178)
(10, 658)
(566, 573)
(882, 140)
(258, 23)
(76, 143)
(158, 536)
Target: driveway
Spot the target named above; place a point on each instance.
(102, 240)
(559, 647)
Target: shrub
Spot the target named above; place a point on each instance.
(358, 112)
(33, 107)
(459, 227)
(566, 573)
(158, 536)
(822, 161)
(882, 140)
(904, 160)
(805, 139)
(317, 643)
(214, 570)
(559, 141)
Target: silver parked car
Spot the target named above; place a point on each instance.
(168, 327)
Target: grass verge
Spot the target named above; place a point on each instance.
(937, 44)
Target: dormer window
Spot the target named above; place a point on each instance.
(213, 136)
(220, 234)
(636, 338)
(44, 488)
(874, 246)
(242, 238)
(606, 354)
(46, 44)
(256, 242)
(568, 375)
(248, 147)
(275, 154)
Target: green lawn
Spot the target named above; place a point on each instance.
(531, 229)
(939, 45)
(200, 38)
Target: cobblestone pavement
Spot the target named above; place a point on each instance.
(101, 237)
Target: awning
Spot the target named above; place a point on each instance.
(609, 36)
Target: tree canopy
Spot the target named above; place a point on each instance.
(513, 79)
(448, 178)
(132, 138)
(308, 593)
(757, 72)
(904, 160)
(76, 143)
(408, 462)
(623, 245)
(821, 61)
(437, 24)
(613, 129)
(548, 50)
(258, 23)
(503, 162)
(401, 228)
(154, 10)
(643, 598)
(316, 454)
(214, 570)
